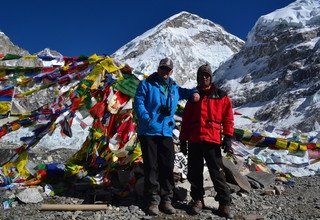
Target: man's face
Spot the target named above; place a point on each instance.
(165, 72)
(204, 80)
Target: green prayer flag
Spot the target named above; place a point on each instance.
(11, 57)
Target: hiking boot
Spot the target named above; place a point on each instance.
(153, 209)
(167, 208)
(224, 211)
(196, 207)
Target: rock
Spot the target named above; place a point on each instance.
(30, 195)
(211, 202)
(234, 176)
(254, 184)
(263, 178)
(269, 192)
(279, 189)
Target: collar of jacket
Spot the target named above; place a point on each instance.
(212, 93)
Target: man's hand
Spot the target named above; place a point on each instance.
(226, 145)
(184, 147)
(195, 97)
(126, 69)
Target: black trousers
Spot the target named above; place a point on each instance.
(158, 162)
(212, 154)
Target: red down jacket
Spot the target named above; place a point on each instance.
(204, 120)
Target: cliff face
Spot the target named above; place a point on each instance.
(277, 70)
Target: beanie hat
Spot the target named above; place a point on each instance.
(204, 69)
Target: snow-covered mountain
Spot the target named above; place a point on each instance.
(187, 39)
(275, 77)
(58, 61)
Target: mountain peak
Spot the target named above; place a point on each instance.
(187, 39)
(49, 52)
(58, 61)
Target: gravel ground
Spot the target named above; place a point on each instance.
(299, 200)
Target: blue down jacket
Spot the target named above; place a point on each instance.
(149, 98)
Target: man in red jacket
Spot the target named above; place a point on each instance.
(202, 125)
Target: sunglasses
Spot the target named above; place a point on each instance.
(165, 69)
(205, 75)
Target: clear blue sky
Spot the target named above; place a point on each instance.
(102, 26)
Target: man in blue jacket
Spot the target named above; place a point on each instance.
(155, 103)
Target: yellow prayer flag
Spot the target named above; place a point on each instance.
(294, 146)
(4, 107)
(6, 167)
(20, 163)
(303, 147)
(30, 57)
(97, 70)
(28, 92)
(73, 169)
(120, 77)
(281, 144)
(137, 151)
(109, 66)
(247, 134)
(94, 58)
(66, 67)
(97, 135)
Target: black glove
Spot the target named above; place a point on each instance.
(184, 147)
(226, 145)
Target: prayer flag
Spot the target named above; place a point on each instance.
(6, 95)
